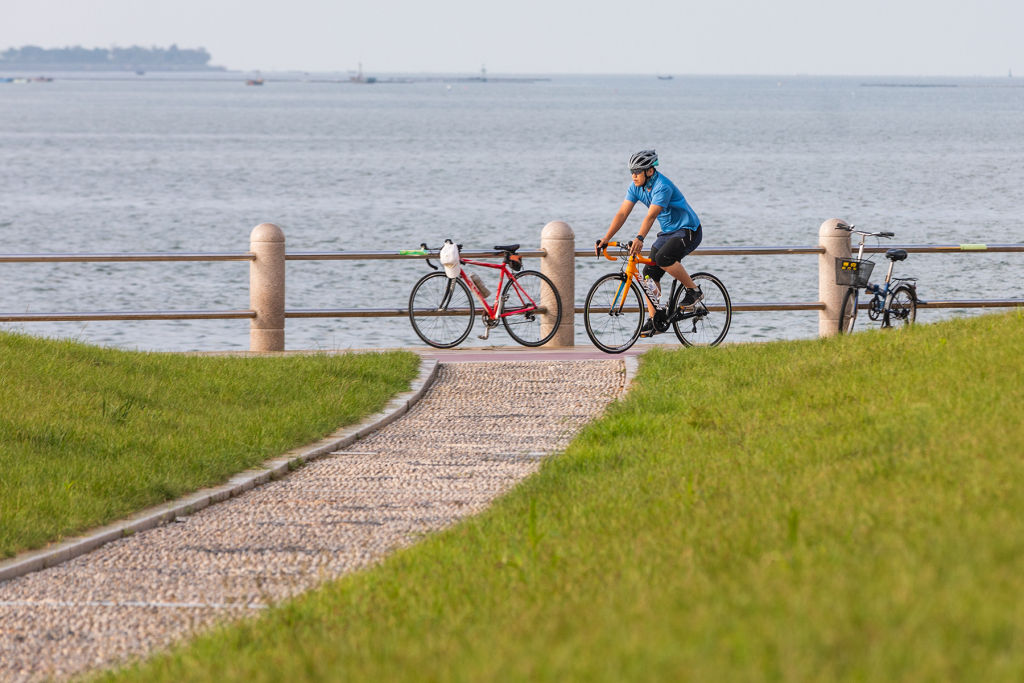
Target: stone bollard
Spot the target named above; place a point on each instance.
(559, 264)
(837, 245)
(266, 288)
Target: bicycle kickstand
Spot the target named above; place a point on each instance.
(489, 324)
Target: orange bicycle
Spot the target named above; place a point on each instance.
(618, 303)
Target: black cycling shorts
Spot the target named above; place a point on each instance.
(671, 248)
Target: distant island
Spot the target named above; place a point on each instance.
(133, 58)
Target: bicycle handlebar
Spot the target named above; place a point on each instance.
(427, 259)
(850, 228)
(604, 252)
(437, 250)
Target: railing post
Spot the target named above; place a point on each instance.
(837, 245)
(559, 263)
(266, 288)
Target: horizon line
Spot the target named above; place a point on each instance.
(50, 68)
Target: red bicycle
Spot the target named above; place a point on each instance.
(441, 308)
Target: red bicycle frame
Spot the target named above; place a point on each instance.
(527, 304)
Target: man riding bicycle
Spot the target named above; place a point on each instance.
(680, 232)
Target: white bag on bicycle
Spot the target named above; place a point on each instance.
(450, 259)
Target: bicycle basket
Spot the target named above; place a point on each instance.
(851, 272)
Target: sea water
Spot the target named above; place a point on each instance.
(180, 164)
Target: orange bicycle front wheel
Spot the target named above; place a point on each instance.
(614, 313)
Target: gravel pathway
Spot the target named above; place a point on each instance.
(480, 429)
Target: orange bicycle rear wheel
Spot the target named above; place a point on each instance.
(706, 323)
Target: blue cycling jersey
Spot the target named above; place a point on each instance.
(676, 212)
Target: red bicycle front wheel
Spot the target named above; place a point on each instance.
(441, 310)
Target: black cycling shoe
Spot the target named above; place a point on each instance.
(692, 297)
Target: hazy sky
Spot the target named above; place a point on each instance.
(860, 37)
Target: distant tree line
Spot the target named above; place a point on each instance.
(135, 57)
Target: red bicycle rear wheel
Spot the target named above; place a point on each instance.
(531, 327)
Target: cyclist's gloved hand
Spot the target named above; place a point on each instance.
(598, 246)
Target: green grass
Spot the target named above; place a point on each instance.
(89, 435)
(842, 509)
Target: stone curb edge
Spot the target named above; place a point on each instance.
(275, 468)
(632, 365)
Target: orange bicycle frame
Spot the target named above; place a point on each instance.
(632, 272)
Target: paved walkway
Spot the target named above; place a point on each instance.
(479, 429)
(514, 353)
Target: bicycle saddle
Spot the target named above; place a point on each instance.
(510, 248)
(896, 254)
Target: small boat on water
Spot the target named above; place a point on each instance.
(665, 78)
(360, 78)
(254, 81)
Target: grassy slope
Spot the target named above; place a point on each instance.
(89, 435)
(842, 509)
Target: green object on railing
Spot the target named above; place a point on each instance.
(413, 252)
(973, 247)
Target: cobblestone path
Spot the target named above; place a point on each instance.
(480, 429)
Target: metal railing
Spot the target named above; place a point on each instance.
(125, 315)
(816, 251)
(372, 256)
(957, 249)
(395, 255)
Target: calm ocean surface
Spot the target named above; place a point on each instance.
(175, 165)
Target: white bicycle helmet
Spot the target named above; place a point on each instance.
(449, 257)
